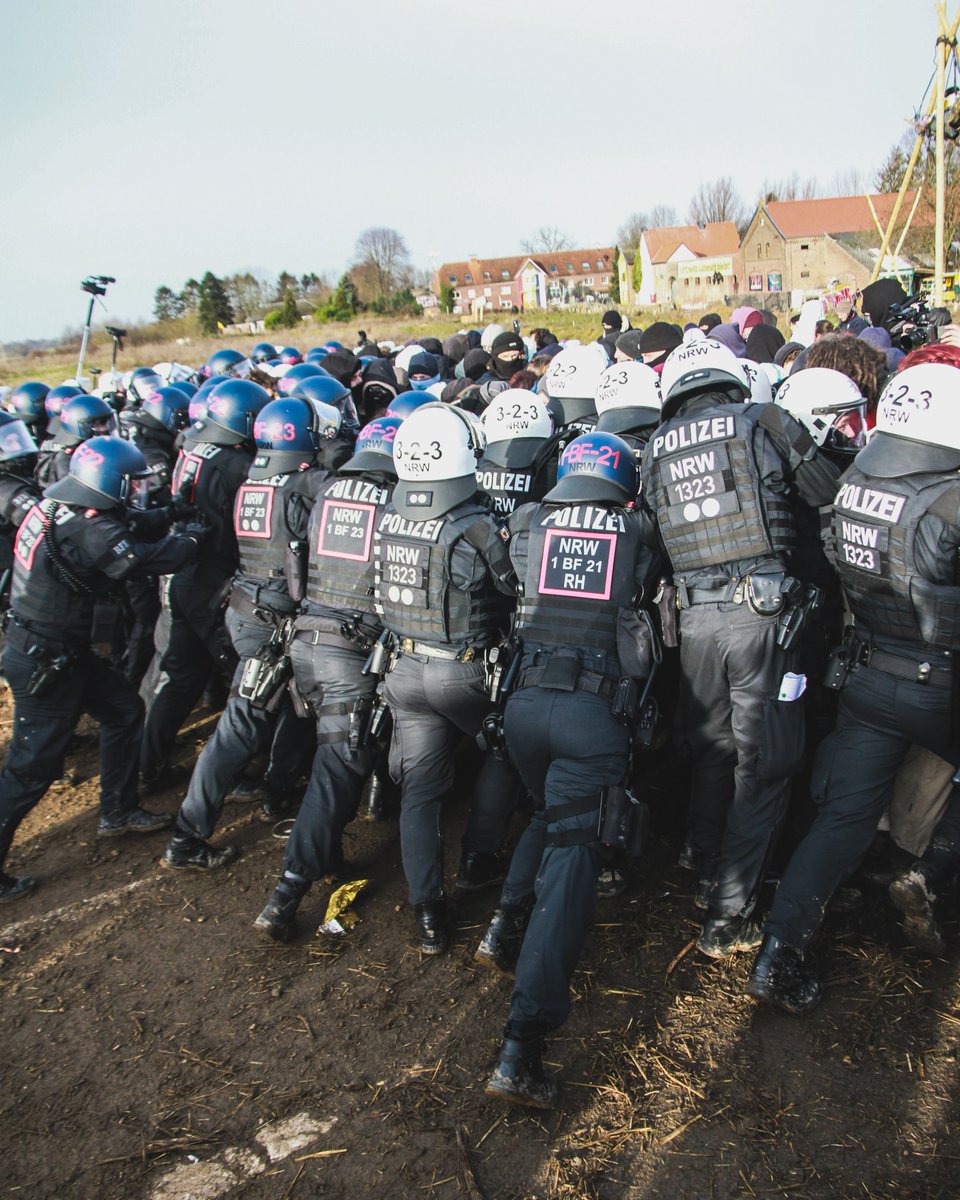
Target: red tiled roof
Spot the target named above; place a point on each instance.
(716, 238)
(496, 266)
(838, 214)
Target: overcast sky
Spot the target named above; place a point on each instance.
(156, 141)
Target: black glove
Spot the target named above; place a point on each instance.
(198, 528)
(180, 507)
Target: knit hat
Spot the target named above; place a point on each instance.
(612, 321)
(423, 364)
(507, 341)
(629, 343)
(660, 338)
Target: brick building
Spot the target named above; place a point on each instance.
(528, 281)
(816, 245)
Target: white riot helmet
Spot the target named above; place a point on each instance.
(828, 404)
(694, 334)
(435, 452)
(705, 366)
(628, 397)
(918, 423)
(760, 390)
(774, 373)
(572, 380)
(516, 424)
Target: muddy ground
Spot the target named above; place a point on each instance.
(154, 1047)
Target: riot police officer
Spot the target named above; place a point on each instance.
(439, 559)
(26, 402)
(70, 549)
(18, 489)
(571, 385)
(584, 558)
(81, 417)
(628, 402)
(514, 469)
(53, 403)
(212, 466)
(721, 475)
(894, 537)
(335, 633)
(297, 444)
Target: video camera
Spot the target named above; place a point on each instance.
(912, 323)
(97, 285)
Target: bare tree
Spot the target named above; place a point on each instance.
(849, 182)
(717, 201)
(381, 255)
(790, 188)
(662, 216)
(629, 233)
(547, 240)
(249, 294)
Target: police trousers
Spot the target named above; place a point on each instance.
(331, 681)
(197, 645)
(567, 747)
(243, 732)
(42, 726)
(880, 717)
(745, 744)
(435, 702)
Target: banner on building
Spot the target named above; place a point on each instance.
(774, 282)
(756, 283)
(705, 267)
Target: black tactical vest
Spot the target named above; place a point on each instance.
(199, 465)
(581, 562)
(874, 530)
(39, 595)
(414, 595)
(704, 485)
(340, 570)
(507, 487)
(260, 525)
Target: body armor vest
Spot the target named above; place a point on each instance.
(196, 468)
(507, 487)
(705, 487)
(340, 559)
(160, 455)
(874, 530)
(580, 571)
(260, 525)
(414, 595)
(40, 595)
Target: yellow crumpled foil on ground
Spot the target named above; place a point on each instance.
(338, 919)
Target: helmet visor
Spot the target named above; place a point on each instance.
(138, 492)
(848, 427)
(15, 440)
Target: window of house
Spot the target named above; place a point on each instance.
(472, 292)
(697, 281)
(452, 278)
(553, 269)
(504, 274)
(569, 268)
(686, 281)
(488, 291)
(506, 303)
(599, 264)
(804, 274)
(468, 278)
(766, 253)
(486, 274)
(588, 282)
(604, 279)
(804, 245)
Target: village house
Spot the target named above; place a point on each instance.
(528, 281)
(682, 265)
(798, 246)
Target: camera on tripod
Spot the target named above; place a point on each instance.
(97, 285)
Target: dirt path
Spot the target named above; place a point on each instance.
(155, 1048)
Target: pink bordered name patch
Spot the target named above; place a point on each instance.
(577, 564)
(28, 537)
(346, 530)
(253, 511)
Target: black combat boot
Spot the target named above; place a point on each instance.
(185, 852)
(722, 936)
(433, 926)
(501, 944)
(914, 893)
(278, 919)
(781, 978)
(15, 887)
(707, 865)
(479, 869)
(137, 820)
(519, 1077)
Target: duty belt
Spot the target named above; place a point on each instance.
(322, 631)
(724, 593)
(917, 671)
(409, 646)
(586, 681)
(266, 614)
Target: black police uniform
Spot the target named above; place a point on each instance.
(436, 590)
(156, 444)
(272, 509)
(54, 593)
(208, 476)
(19, 492)
(721, 479)
(517, 472)
(580, 566)
(334, 634)
(894, 539)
